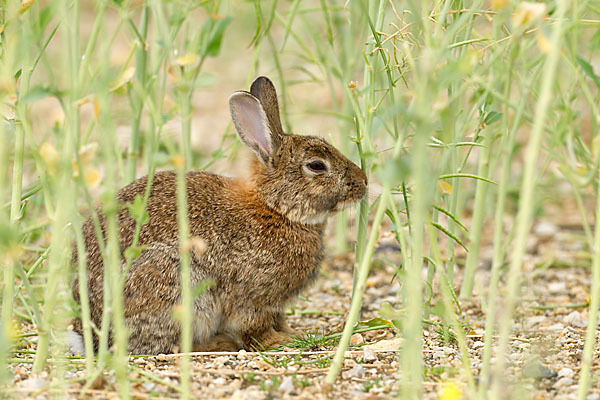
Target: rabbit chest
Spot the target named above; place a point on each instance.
(250, 251)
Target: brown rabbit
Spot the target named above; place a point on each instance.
(263, 236)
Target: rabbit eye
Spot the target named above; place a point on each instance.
(317, 166)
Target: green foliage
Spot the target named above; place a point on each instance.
(462, 116)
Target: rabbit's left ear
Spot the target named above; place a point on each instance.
(263, 89)
(253, 126)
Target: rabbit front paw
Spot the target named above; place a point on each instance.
(266, 340)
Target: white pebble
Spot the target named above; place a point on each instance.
(287, 385)
(566, 373)
(357, 371)
(33, 383)
(369, 355)
(556, 327)
(575, 319)
(356, 339)
(564, 382)
(557, 287)
(220, 381)
(545, 229)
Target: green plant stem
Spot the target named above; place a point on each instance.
(136, 101)
(363, 273)
(59, 255)
(17, 185)
(84, 299)
(411, 356)
(585, 374)
(524, 215)
(507, 146)
(466, 289)
(186, 289)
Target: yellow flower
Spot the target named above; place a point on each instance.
(527, 12)
(49, 156)
(450, 390)
(187, 59)
(444, 187)
(499, 4)
(125, 77)
(25, 5)
(92, 178)
(543, 42)
(178, 161)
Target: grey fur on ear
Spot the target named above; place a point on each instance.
(263, 89)
(252, 124)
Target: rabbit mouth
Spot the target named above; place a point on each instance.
(342, 205)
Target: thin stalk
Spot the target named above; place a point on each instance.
(186, 127)
(363, 273)
(412, 358)
(466, 289)
(59, 256)
(17, 181)
(585, 374)
(186, 288)
(84, 299)
(524, 215)
(450, 315)
(136, 101)
(498, 250)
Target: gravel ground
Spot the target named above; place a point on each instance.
(543, 362)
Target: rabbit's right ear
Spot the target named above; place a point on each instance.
(252, 125)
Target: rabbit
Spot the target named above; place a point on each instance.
(262, 236)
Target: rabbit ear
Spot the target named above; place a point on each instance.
(264, 90)
(252, 125)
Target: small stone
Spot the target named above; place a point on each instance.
(149, 386)
(357, 371)
(349, 363)
(263, 365)
(516, 356)
(575, 319)
(535, 369)
(356, 339)
(287, 385)
(545, 230)
(557, 287)
(220, 381)
(566, 373)
(242, 354)
(478, 344)
(564, 382)
(33, 383)
(369, 354)
(161, 357)
(556, 327)
(593, 396)
(220, 362)
(533, 321)
(392, 344)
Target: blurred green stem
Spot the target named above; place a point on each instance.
(136, 101)
(466, 289)
(357, 295)
(585, 375)
(528, 184)
(506, 148)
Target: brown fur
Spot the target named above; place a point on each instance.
(264, 244)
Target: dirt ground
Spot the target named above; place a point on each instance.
(543, 360)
